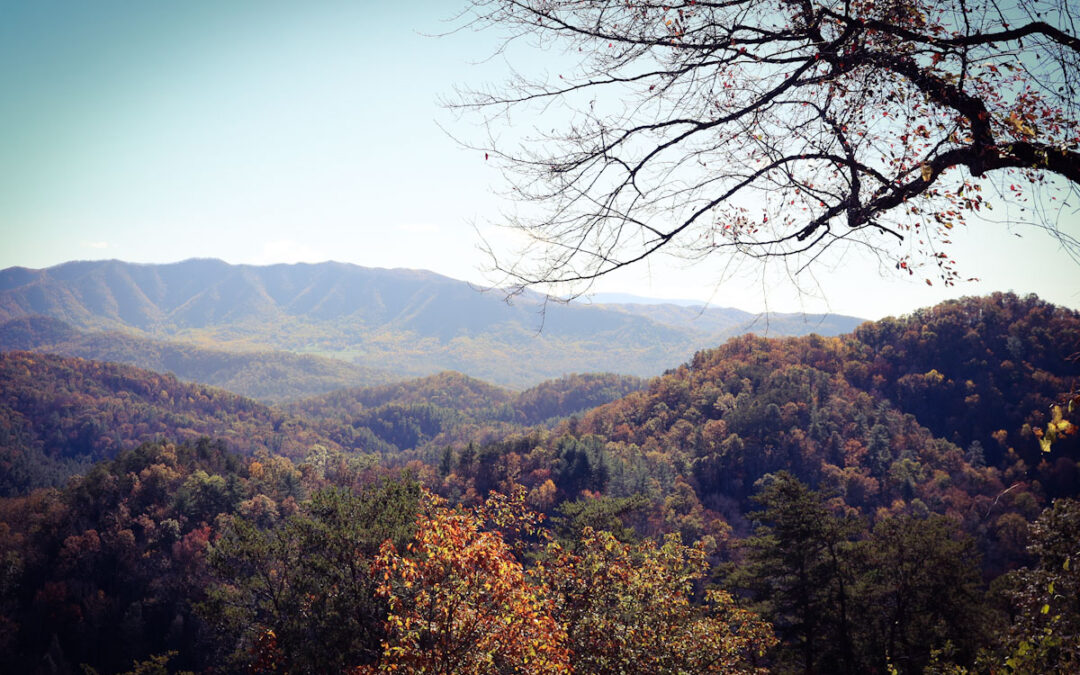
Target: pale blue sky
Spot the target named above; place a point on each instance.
(262, 132)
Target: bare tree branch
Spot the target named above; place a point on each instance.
(775, 129)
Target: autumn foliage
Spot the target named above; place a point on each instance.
(630, 609)
(460, 603)
(848, 505)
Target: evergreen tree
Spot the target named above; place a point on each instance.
(918, 592)
(301, 594)
(797, 568)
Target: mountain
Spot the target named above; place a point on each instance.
(59, 414)
(427, 414)
(268, 376)
(937, 412)
(407, 322)
(898, 466)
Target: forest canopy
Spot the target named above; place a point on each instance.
(850, 504)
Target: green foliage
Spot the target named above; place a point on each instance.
(919, 591)
(847, 605)
(1045, 634)
(798, 569)
(307, 579)
(603, 514)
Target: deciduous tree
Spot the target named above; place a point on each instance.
(778, 128)
(1045, 635)
(628, 608)
(460, 603)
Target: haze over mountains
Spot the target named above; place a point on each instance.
(218, 323)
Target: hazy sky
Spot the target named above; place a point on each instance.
(262, 132)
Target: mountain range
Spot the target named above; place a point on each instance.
(917, 456)
(228, 325)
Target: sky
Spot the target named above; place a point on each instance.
(281, 132)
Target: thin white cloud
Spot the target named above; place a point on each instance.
(96, 244)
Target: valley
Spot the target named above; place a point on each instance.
(129, 492)
(384, 324)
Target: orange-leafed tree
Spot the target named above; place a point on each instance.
(460, 603)
(627, 608)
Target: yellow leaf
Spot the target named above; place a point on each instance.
(927, 172)
(1021, 127)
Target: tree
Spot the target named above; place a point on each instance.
(599, 513)
(1045, 635)
(460, 603)
(777, 129)
(919, 592)
(300, 596)
(627, 608)
(798, 567)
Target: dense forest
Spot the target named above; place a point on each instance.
(898, 499)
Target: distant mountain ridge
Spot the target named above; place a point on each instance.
(406, 322)
(268, 376)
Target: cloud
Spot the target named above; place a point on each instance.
(96, 244)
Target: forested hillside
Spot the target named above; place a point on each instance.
(58, 415)
(407, 323)
(879, 500)
(840, 414)
(268, 376)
